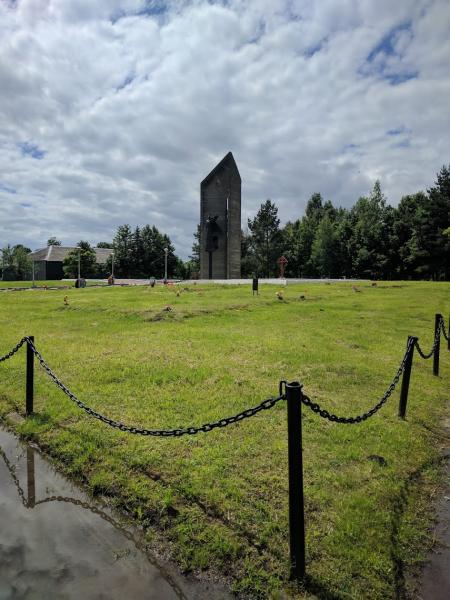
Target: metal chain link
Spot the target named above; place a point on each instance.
(437, 335)
(14, 350)
(92, 508)
(250, 412)
(12, 471)
(360, 418)
(265, 405)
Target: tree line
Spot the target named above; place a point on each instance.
(137, 254)
(370, 240)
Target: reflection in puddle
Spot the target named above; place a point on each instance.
(56, 543)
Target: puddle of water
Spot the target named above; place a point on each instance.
(55, 542)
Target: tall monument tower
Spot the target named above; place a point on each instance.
(220, 222)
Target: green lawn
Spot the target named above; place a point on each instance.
(218, 501)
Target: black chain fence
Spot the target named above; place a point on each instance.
(295, 397)
(250, 412)
(14, 350)
(360, 418)
(12, 471)
(435, 341)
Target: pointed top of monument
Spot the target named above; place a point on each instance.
(226, 164)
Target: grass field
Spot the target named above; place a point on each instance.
(218, 501)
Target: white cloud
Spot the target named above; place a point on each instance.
(134, 102)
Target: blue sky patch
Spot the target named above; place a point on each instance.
(402, 144)
(350, 148)
(383, 59)
(126, 82)
(33, 150)
(26, 205)
(398, 130)
(315, 48)
(395, 131)
(4, 187)
(152, 8)
(397, 78)
(386, 45)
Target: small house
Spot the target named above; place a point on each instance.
(48, 262)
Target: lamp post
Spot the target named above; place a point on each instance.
(32, 269)
(166, 252)
(79, 264)
(112, 265)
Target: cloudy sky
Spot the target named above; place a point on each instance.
(113, 111)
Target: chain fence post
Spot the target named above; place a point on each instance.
(406, 377)
(437, 341)
(31, 485)
(296, 503)
(30, 377)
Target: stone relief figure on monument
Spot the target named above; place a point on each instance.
(212, 229)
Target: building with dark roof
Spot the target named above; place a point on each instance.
(220, 222)
(48, 262)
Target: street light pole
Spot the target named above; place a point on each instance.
(166, 252)
(112, 265)
(32, 268)
(79, 263)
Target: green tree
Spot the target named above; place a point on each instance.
(314, 213)
(153, 244)
(123, 243)
(325, 249)
(105, 245)
(249, 264)
(16, 263)
(434, 219)
(141, 254)
(265, 238)
(138, 266)
(22, 262)
(368, 241)
(86, 255)
(194, 258)
(52, 241)
(291, 237)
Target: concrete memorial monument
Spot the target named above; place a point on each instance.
(220, 222)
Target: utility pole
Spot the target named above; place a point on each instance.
(166, 252)
(79, 263)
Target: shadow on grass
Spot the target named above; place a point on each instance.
(314, 586)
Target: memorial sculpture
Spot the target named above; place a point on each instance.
(220, 222)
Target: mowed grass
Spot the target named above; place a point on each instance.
(218, 501)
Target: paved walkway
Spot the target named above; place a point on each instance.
(435, 584)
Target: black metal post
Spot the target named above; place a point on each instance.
(406, 378)
(255, 286)
(437, 338)
(30, 379)
(31, 486)
(296, 504)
